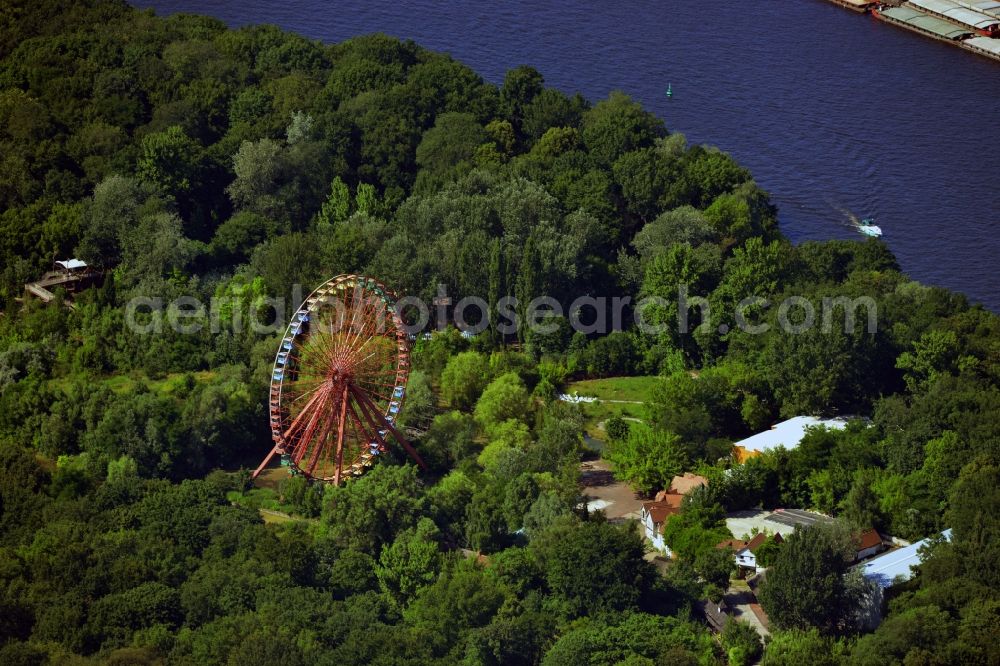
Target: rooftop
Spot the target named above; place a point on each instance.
(787, 433)
(758, 540)
(926, 22)
(896, 565)
(957, 13)
(988, 7)
(682, 485)
(987, 44)
(732, 544)
(781, 521)
(659, 511)
(868, 539)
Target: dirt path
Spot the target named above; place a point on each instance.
(744, 608)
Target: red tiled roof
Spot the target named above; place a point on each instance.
(758, 540)
(868, 539)
(732, 544)
(668, 496)
(665, 497)
(659, 511)
(682, 485)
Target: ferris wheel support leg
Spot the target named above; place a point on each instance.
(370, 410)
(340, 437)
(261, 467)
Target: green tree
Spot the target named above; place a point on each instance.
(647, 458)
(617, 428)
(464, 378)
(618, 125)
(412, 561)
(115, 207)
(461, 598)
(715, 566)
(520, 495)
(796, 647)
(520, 86)
(741, 642)
(485, 524)
(336, 208)
(935, 352)
(504, 399)
(366, 199)
(637, 639)
(861, 508)
(259, 168)
(420, 406)
(170, 161)
(805, 587)
(598, 567)
(974, 515)
(448, 148)
(370, 511)
(236, 238)
(450, 439)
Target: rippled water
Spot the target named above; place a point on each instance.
(834, 113)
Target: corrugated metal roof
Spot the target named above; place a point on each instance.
(988, 7)
(787, 433)
(957, 13)
(987, 44)
(898, 564)
(931, 24)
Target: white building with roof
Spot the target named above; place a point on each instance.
(883, 572)
(786, 434)
(896, 565)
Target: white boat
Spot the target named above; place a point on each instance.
(868, 227)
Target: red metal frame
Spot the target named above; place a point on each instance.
(331, 403)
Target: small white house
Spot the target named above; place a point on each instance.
(869, 543)
(746, 556)
(654, 515)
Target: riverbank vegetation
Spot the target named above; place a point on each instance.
(190, 160)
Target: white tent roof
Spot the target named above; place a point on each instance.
(70, 264)
(788, 433)
(896, 564)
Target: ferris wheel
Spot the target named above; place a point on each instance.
(338, 381)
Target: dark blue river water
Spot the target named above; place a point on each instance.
(834, 113)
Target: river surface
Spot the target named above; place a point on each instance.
(835, 113)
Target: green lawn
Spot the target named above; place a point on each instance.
(127, 383)
(633, 389)
(633, 392)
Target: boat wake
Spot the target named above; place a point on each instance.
(865, 226)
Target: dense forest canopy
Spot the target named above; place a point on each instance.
(186, 159)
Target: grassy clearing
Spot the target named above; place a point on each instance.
(271, 517)
(632, 394)
(631, 389)
(597, 412)
(167, 385)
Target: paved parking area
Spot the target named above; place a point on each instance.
(793, 517)
(603, 492)
(783, 521)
